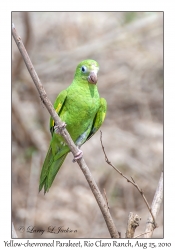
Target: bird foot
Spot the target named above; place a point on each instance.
(58, 129)
(78, 155)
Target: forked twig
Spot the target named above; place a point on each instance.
(133, 223)
(128, 180)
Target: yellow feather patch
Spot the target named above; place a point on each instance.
(52, 123)
(58, 108)
(103, 116)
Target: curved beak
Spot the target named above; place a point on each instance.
(92, 78)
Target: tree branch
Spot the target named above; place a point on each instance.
(130, 181)
(28, 30)
(106, 197)
(98, 196)
(14, 234)
(155, 207)
(133, 223)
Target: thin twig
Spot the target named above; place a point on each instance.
(139, 235)
(155, 207)
(99, 198)
(128, 180)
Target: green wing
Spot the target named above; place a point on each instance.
(99, 118)
(59, 102)
(52, 165)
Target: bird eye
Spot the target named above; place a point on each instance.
(83, 69)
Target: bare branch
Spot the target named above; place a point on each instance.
(18, 60)
(106, 197)
(133, 223)
(99, 198)
(128, 180)
(14, 234)
(155, 207)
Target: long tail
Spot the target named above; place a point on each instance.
(49, 170)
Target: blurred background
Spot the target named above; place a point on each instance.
(129, 49)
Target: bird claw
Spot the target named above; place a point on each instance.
(78, 155)
(58, 129)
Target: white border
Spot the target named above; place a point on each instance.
(5, 96)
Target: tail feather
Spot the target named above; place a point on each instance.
(47, 163)
(50, 169)
(53, 171)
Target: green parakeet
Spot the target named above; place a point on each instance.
(83, 112)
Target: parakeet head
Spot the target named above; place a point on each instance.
(87, 71)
